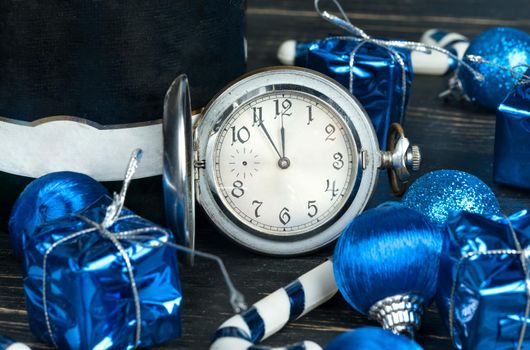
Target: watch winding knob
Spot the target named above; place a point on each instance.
(401, 159)
(414, 158)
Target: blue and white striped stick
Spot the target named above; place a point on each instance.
(436, 63)
(457, 43)
(6, 343)
(432, 63)
(272, 313)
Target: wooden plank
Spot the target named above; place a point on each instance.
(479, 12)
(451, 135)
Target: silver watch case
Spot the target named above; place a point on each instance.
(189, 162)
(293, 79)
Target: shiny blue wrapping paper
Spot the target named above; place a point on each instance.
(89, 295)
(489, 289)
(377, 77)
(512, 138)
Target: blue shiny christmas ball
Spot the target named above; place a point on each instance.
(372, 338)
(386, 251)
(439, 193)
(507, 47)
(47, 198)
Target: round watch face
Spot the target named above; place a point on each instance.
(284, 163)
(287, 158)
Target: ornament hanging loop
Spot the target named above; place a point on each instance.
(455, 91)
(401, 159)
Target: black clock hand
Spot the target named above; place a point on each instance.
(270, 139)
(282, 131)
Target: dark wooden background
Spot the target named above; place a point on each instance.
(453, 136)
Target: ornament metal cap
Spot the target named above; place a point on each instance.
(400, 313)
(455, 91)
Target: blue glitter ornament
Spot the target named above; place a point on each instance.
(504, 46)
(439, 193)
(372, 338)
(50, 197)
(386, 265)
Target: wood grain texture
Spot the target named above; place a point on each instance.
(451, 136)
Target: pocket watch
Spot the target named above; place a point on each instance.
(281, 160)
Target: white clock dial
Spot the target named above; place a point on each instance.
(285, 163)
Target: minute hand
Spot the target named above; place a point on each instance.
(270, 139)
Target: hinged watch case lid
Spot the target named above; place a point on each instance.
(178, 176)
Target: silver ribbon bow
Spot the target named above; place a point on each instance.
(146, 236)
(523, 255)
(359, 35)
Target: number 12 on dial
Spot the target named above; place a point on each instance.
(284, 162)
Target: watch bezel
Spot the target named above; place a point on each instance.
(298, 80)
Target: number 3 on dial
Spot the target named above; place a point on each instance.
(271, 178)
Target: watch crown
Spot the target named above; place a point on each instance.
(401, 159)
(414, 158)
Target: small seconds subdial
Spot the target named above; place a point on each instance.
(285, 163)
(245, 163)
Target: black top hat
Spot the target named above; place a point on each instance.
(112, 61)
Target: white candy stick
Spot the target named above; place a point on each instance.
(18, 346)
(287, 52)
(272, 313)
(433, 63)
(444, 39)
(436, 63)
(6, 343)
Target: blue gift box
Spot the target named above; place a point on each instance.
(512, 138)
(482, 292)
(377, 76)
(90, 299)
